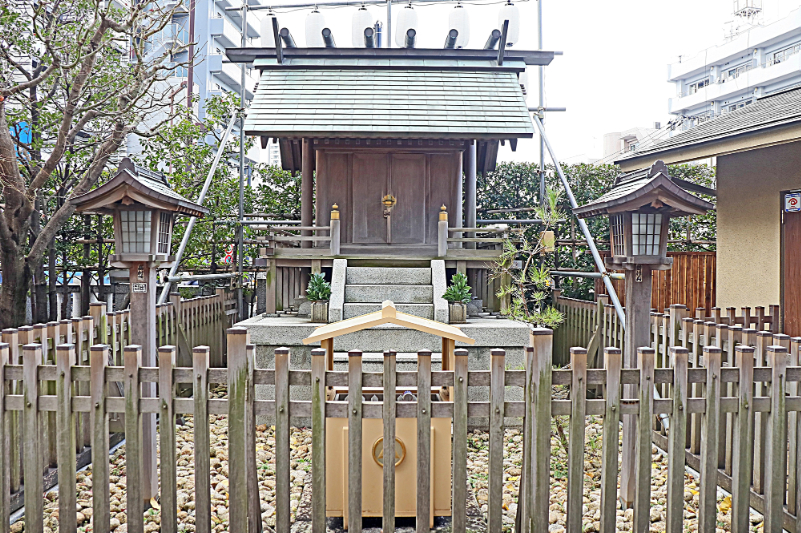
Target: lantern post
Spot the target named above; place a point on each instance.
(640, 206)
(143, 208)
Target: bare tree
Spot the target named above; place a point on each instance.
(76, 78)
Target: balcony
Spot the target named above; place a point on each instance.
(170, 37)
(230, 74)
(745, 83)
(225, 32)
(760, 36)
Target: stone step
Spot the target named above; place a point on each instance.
(399, 294)
(422, 310)
(388, 276)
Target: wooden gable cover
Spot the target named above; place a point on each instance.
(387, 315)
(642, 187)
(139, 185)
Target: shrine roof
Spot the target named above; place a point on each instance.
(390, 93)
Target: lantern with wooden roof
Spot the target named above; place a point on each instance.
(640, 206)
(143, 206)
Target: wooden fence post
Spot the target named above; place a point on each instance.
(237, 385)
(542, 341)
(200, 369)
(354, 507)
(389, 415)
(5, 463)
(11, 337)
(613, 362)
(169, 474)
(459, 489)
(424, 517)
(318, 438)
(254, 500)
(282, 449)
(763, 339)
(776, 442)
(707, 513)
(98, 390)
(497, 384)
(134, 459)
(642, 500)
(575, 461)
(65, 445)
(31, 434)
(678, 439)
(743, 446)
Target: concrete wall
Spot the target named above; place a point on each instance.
(749, 225)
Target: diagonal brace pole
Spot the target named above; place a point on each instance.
(584, 229)
(185, 239)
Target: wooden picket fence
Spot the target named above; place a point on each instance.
(184, 323)
(753, 397)
(690, 280)
(595, 325)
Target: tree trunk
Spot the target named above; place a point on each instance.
(40, 294)
(14, 291)
(51, 281)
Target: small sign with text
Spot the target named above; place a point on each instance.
(139, 287)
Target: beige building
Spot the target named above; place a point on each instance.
(758, 151)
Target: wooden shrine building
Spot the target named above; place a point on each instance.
(388, 142)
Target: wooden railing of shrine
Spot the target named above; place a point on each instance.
(302, 240)
(754, 397)
(183, 323)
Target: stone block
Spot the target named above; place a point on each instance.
(338, 275)
(388, 276)
(439, 283)
(407, 294)
(421, 310)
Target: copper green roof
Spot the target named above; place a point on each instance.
(458, 96)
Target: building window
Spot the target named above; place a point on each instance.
(738, 105)
(618, 236)
(784, 54)
(734, 73)
(695, 87)
(165, 220)
(135, 232)
(646, 229)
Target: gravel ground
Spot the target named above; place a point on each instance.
(301, 484)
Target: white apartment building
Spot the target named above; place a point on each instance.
(215, 29)
(759, 61)
(618, 143)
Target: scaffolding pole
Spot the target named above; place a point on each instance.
(599, 263)
(185, 239)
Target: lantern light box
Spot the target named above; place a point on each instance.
(640, 206)
(143, 207)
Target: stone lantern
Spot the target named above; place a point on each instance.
(143, 207)
(640, 206)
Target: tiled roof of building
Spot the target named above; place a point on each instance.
(768, 112)
(398, 98)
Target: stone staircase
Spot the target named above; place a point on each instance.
(411, 289)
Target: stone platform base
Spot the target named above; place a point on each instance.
(269, 333)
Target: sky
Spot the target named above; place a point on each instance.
(612, 75)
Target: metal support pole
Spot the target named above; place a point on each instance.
(599, 263)
(165, 293)
(240, 302)
(541, 76)
(389, 24)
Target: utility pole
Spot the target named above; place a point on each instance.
(240, 301)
